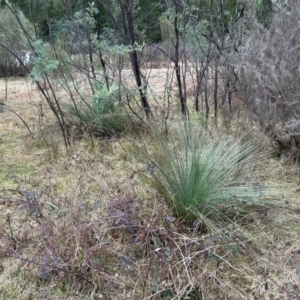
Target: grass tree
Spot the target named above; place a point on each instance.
(205, 175)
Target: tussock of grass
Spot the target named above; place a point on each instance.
(205, 175)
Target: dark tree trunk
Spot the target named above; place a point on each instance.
(138, 79)
(102, 61)
(206, 98)
(200, 76)
(216, 77)
(134, 59)
(177, 69)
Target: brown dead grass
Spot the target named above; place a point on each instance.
(95, 206)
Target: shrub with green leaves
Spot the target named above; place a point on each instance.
(203, 175)
(101, 115)
(104, 99)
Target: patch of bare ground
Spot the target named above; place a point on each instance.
(81, 224)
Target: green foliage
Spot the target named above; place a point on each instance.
(202, 175)
(264, 9)
(149, 14)
(41, 12)
(165, 28)
(101, 117)
(44, 63)
(14, 40)
(105, 99)
(11, 33)
(77, 30)
(208, 11)
(197, 44)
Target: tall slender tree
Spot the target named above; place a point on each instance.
(123, 13)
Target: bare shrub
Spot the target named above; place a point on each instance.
(269, 78)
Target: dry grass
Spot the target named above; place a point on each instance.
(94, 230)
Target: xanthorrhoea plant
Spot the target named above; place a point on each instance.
(202, 175)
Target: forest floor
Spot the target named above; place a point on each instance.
(68, 219)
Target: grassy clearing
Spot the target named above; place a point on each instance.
(82, 224)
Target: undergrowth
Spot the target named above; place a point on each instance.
(103, 116)
(81, 224)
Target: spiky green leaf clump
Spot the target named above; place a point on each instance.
(104, 99)
(202, 174)
(101, 115)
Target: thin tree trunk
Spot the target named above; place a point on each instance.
(177, 69)
(229, 100)
(6, 86)
(200, 76)
(102, 61)
(206, 98)
(134, 61)
(90, 48)
(216, 78)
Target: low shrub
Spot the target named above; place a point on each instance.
(103, 116)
